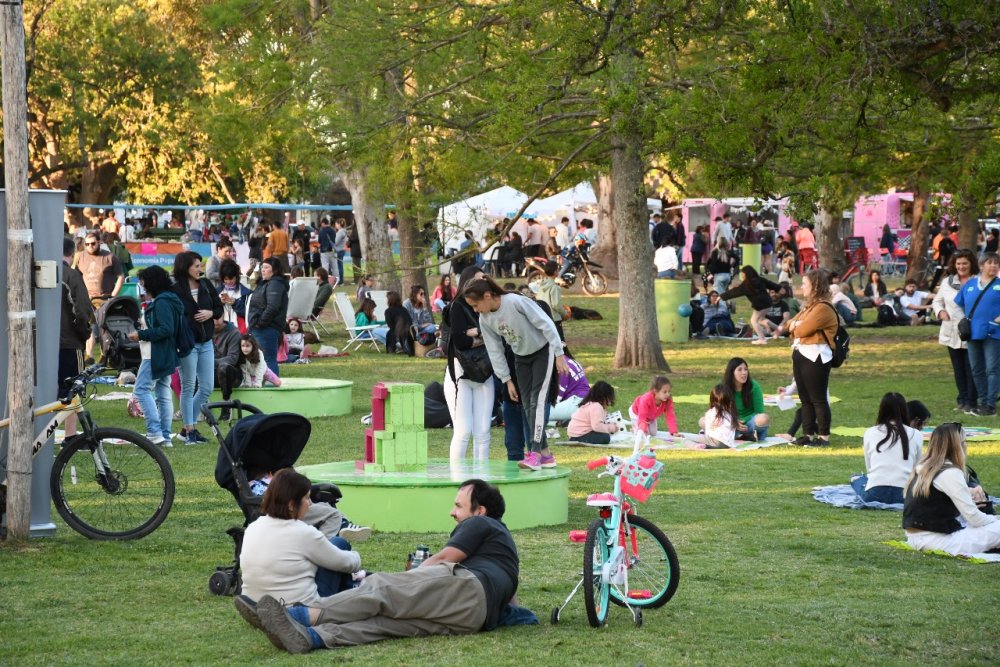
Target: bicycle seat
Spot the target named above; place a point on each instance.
(602, 500)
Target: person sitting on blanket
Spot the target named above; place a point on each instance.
(588, 423)
(720, 420)
(749, 399)
(938, 492)
(918, 413)
(892, 448)
(646, 409)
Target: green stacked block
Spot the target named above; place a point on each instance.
(402, 445)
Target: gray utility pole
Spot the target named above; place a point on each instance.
(21, 318)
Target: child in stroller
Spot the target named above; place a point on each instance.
(260, 443)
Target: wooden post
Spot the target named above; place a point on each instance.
(21, 355)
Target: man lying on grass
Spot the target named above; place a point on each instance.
(462, 589)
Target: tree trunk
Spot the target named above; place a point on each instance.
(605, 251)
(968, 222)
(368, 216)
(20, 316)
(638, 335)
(829, 240)
(97, 182)
(916, 260)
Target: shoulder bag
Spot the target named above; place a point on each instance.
(965, 324)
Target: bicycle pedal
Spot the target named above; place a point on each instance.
(578, 536)
(640, 595)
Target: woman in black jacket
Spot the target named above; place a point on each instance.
(755, 289)
(202, 306)
(267, 311)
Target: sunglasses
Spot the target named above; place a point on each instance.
(90, 245)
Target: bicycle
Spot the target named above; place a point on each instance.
(106, 483)
(627, 559)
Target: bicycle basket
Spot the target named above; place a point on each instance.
(640, 476)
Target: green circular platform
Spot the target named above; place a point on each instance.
(420, 502)
(309, 397)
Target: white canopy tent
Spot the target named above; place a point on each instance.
(477, 213)
(576, 203)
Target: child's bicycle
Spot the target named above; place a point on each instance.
(106, 483)
(627, 560)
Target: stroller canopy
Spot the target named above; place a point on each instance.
(261, 442)
(119, 305)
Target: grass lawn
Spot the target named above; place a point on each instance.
(768, 575)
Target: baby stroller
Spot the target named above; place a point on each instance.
(116, 319)
(256, 442)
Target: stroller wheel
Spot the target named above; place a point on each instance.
(222, 583)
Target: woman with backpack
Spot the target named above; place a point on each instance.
(813, 331)
(157, 338)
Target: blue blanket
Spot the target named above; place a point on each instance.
(843, 495)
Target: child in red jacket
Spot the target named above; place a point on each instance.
(647, 408)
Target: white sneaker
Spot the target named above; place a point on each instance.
(156, 438)
(352, 532)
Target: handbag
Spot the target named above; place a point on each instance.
(476, 365)
(964, 326)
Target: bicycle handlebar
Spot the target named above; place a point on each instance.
(79, 385)
(597, 463)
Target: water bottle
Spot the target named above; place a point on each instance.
(417, 557)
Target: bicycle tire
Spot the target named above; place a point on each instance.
(595, 591)
(535, 277)
(141, 471)
(594, 283)
(660, 574)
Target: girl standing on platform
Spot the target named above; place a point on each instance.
(721, 419)
(534, 340)
(646, 409)
(587, 423)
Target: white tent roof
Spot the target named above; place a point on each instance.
(476, 213)
(578, 197)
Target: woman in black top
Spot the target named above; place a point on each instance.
(470, 403)
(267, 311)
(755, 289)
(202, 306)
(399, 324)
(720, 266)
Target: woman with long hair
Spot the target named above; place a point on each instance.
(268, 309)
(938, 492)
(534, 340)
(748, 397)
(720, 265)
(755, 289)
(469, 402)
(812, 331)
(962, 266)
(202, 305)
(892, 448)
(443, 294)
(980, 297)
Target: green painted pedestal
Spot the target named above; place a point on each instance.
(750, 256)
(309, 397)
(420, 502)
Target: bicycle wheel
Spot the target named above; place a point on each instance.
(594, 283)
(535, 277)
(653, 572)
(596, 591)
(126, 500)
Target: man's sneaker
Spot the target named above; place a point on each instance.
(985, 411)
(548, 461)
(531, 462)
(192, 437)
(355, 534)
(816, 441)
(248, 610)
(156, 438)
(281, 628)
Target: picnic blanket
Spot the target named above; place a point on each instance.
(843, 495)
(663, 441)
(114, 396)
(972, 433)
(769, 399)
(979, 559)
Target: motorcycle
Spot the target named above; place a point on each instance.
(593, 282)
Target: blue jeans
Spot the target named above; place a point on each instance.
(515, 429)
(845, 312)
(381, 334)
(268, 341)
(890, 495)
(340, 265)
(197, 368)
(753, 427)
(329, 582)
(721, 326)
(722, 281)
(984, 358)
(669, 273)
(156, 399)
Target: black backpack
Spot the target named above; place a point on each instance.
(841, 345)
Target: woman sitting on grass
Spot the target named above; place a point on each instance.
(749, 400)
(286, 558)
(892, 448)
(938, 492)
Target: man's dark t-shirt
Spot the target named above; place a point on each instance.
(100, 272)
(775, 313)
(492, 557)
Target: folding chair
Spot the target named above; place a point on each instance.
(381, 299)
(355, 333)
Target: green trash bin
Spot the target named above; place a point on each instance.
(130, 289)
(670, 294)
(749, 255)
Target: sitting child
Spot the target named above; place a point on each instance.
(646, 409)
(720, 420)
(252, 364)
(588, 422)
(323, 516)
(295, 341)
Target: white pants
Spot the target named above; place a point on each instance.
(471, 408)
(563, 410)
(964, 541)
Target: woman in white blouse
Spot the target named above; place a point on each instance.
(892, 448)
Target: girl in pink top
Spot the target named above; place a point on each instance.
(646, 409)
(587, 423)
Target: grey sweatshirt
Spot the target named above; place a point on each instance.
(524, 325)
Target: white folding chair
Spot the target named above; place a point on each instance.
(381, 299)
(301, 298)
(355, 333)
